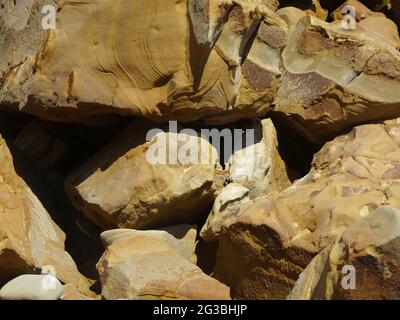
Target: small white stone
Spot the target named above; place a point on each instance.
(32, 287)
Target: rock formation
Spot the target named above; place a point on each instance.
(199, 149)
(120, 187)
(144, 265)
(278, 235)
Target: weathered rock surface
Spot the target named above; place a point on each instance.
(29, 239)
(278, 235)
(259, 167)
(227, 204)
(333, 78)
(120, 187)
(163, 59)
(371, 246)
(145, 266)
(181, 237)
(32, 287)
(367, 251)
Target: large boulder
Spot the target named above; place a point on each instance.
(334, 78)
(264, 248)
(29, 239)
(162, 59)
(130, 184)
(363, 264)
(149, 265)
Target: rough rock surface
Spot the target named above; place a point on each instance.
(192, 61)
(334, 78)
(92, 190)
(119, 187)
(29, 239)
(227, 204)
(278, 235)
(144, 266)
(367, 251)
(259, 167)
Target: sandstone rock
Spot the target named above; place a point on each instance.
(227, 204)
(311, 282)
(278, 235)
(173, 60)
(374, 23)
(333, 78)
(32, 287)
(368, 251)
(259, 167)
(371, 246)
(182, 238)
(29, 239)
(147, 267)
(131, 192)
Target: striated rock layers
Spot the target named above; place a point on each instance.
(159, 59)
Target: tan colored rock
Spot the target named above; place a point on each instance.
(374, 23)
(228, 203)
(71, 293)
(333, 78)
(264, 248)
(259, 167)
(181, 237)
(122, 187)
(29, 239)
(164, 59)
(147, 267)
(371, 246)
(362, 265)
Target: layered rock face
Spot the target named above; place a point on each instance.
(278, 235)
(116, 57)
(334, 78)
(199, 149)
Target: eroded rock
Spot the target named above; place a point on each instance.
(278, 235)
(148, 267)
(174, 59)
(121, 187)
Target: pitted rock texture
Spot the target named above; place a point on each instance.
(334, 78)
(350, 177)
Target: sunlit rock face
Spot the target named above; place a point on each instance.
(277, 236)
(158, 59)
(334, 78)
